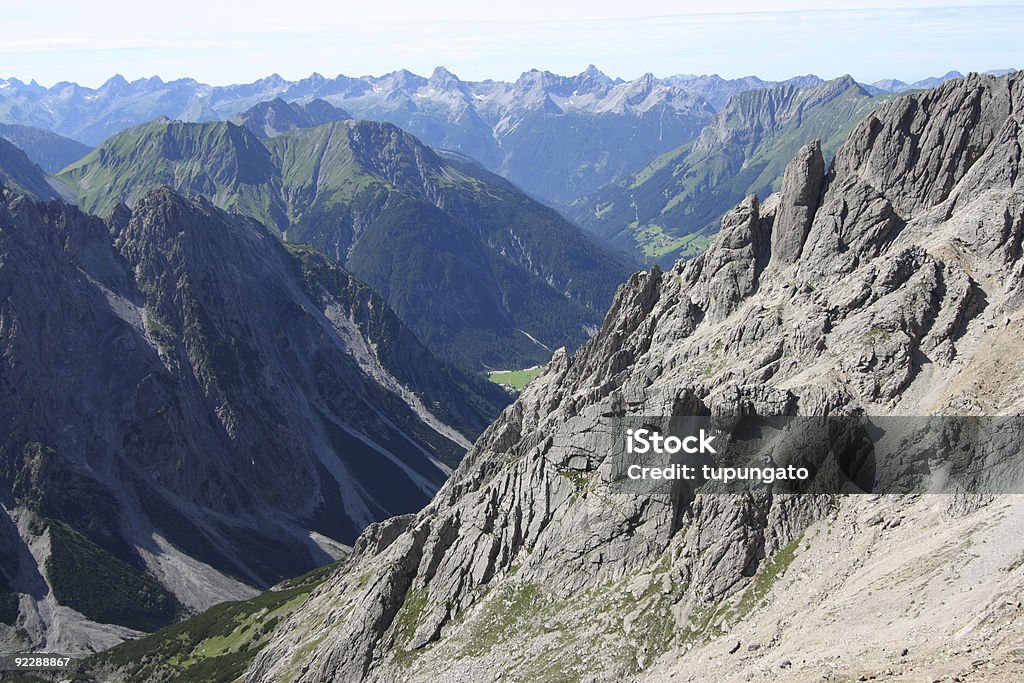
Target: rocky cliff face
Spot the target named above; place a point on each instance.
(190, 410)
(890, 285)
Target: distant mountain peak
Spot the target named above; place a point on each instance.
(508, 127)
(276, 103)
(591, 79)
(402, 79)
(892, 85)
(844, 82)
(270, 119)
(444, 79)
(403, 75)
(538, 77)
(639, 89)
(115, 85)
(442, 72)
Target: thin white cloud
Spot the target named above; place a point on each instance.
(51, 44)
(224, 44)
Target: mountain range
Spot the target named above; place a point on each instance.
(886, 282)
(672, 207)
(892, 85)
(482, 273)
(557, 137)
(191, 410)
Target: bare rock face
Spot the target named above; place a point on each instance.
(942, 134)
(801, 191)
(894, 287)
(731, 271)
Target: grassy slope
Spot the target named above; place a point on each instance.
(220, 160)
(215, 646)
(517, 379)
(442, 277)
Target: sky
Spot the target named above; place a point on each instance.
(229, 41)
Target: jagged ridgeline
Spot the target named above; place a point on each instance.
(887, 282)
(191, 409)
(672, 207)
(484, 275)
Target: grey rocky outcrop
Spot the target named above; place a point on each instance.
(528, 565)
(801, 192)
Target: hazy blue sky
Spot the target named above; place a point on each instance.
(230, 42)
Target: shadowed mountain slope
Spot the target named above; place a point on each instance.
(191, 409)
(50, 151)
(270, 119)
(19, 172)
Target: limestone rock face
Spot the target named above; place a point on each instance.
(801, 191)
(894, 287)
(942, 134)
(730, 273)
